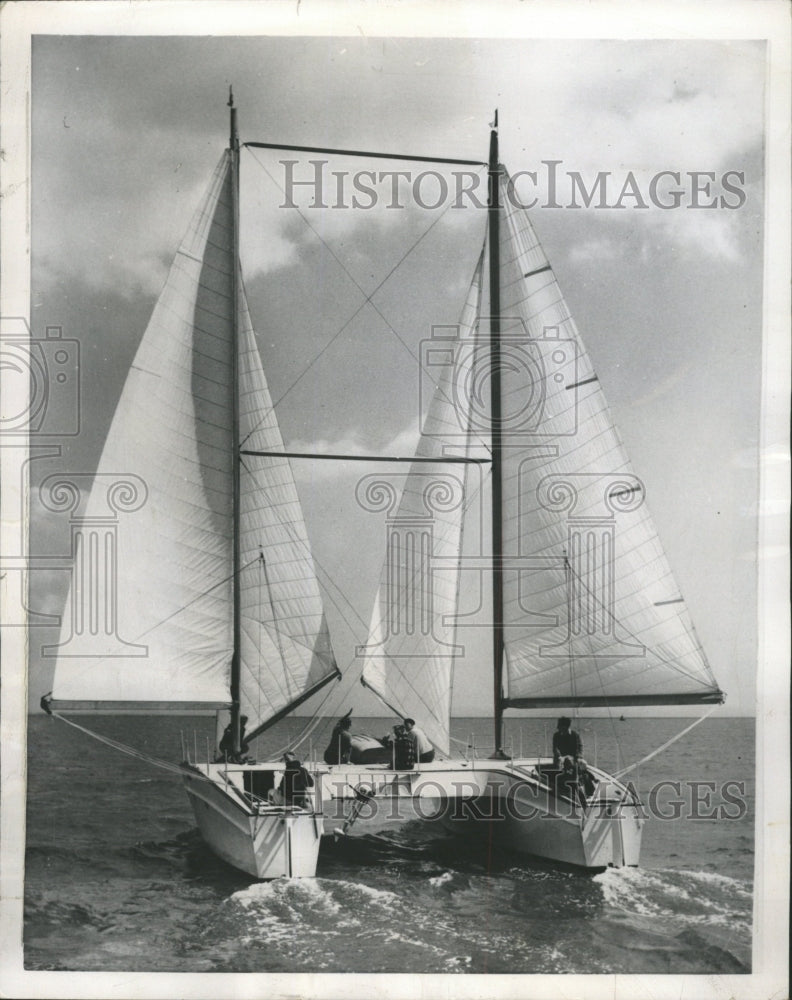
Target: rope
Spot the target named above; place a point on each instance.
(164, 765)
(665, 746)
(367, 300)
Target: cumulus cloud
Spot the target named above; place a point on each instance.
(117, 170)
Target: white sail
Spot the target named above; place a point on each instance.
(285, 651)
(409, 658)
(169, 639)
(592, 612)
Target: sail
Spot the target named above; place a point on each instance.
(164, 576)
(286, 653)
(409, 658)
(592, 613)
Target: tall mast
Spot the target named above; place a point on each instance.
(493, 212)
(235, 277)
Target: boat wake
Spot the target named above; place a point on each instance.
(330, 918)
(709, 911)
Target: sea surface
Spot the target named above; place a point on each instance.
(117, 877)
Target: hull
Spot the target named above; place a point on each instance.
(525, 817)
(509, 802)
(264, 841)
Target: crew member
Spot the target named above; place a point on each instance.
(340, 745)
(424, 751)
(293, 790)
(227, 743)
(566, 741)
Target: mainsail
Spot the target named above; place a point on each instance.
(173, 430)
(409, 658)
(592, 613)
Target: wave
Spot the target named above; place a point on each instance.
(710, 912)
(44, 860)
(42, 911)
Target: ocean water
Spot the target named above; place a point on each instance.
(117, 877)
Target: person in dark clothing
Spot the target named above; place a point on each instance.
(227, 743)
(566, 742)
(566, 782)
(295, 783)
(403, 750)
(340, 745)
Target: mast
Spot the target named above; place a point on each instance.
(236, 659)
(493, 212)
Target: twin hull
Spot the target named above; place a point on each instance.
(503, 799)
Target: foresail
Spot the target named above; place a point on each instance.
(286, 652)
(172, 559)
(148, 618)
(409, 658)
(592, 613)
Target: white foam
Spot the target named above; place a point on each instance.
(439, 880)
(292, 892)
(658, 894)
(738, 886)
(376, 895)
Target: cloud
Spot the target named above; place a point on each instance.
(355, 442)
(599, 248)
(126, 132)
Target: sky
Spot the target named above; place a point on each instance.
(126, 132)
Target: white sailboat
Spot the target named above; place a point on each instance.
(218, 567)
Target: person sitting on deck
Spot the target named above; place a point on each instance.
(403, 750)
(566, 741)
(586, 779)
(340, 744)
(424, 751)
(227, 743)
(293, 789)
(566, 782)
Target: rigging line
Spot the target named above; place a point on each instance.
(265, 571)
(367, 154)
(367, 300)
(382, 459)
(467, 504)
(189, 604)
(309, 728)
(611, 719)
(570, 599)
(128, 750)
(289, 528)
(314, 561)
(668, 663)
(316, 718)
(260, 658)
(665, 746)
(463, 518)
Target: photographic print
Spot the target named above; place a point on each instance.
(387, 408)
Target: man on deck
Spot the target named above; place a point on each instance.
(227, 743)
(340, 745)
(424, 751)
(566, 742)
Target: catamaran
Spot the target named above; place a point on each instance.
(218, 571)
